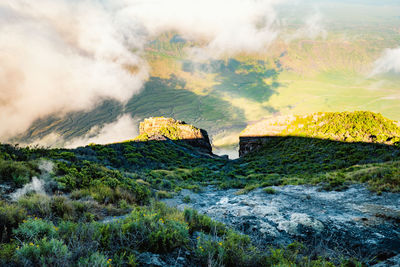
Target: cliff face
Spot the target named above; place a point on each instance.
(358, 126)
(161, 128)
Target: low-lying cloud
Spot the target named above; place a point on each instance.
(313, 27)
(124, 128)
(388, 62)
(60, 56)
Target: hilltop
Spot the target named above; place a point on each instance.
(161, 128)
(359, 126)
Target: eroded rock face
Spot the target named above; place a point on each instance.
(354, 222)
(160, 128)
(248, 144)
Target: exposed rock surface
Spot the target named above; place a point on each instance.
(355, 222)
(175, 259)
(160, 128)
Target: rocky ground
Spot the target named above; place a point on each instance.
(354, 222)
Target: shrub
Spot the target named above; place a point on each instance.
(200, 222)
(44, 253)
(37, 205)
(158, 233)
(269, 190)
(82, 238)
(163, 194)
(103, 194)
(233, 249)
(7, 253)
(35, 229)
(186, 199)
(247, 188)
(11, 216)
(94, 260)
(17, 173)
(62, 207)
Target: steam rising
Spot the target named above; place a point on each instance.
(37, 184)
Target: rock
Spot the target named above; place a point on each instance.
(394, 262)
(150, 259)
(161, 129)
(362, 222)
(297, 221)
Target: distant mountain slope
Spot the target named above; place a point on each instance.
(294, 76)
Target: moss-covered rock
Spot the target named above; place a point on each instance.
(160, 128)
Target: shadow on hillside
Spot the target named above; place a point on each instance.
(293, 154)
(254, 81)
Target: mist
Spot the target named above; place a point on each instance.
(124, 128)
(388, 62)
(60, 56)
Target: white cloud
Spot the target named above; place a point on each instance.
(60, 56)
(388, 62)
(313, 27)
(229, 26)
(124, 128)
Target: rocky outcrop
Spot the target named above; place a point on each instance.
(160, 128)
(354, 222)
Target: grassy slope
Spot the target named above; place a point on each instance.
(66, 228)
(100, 181)
(320, 148)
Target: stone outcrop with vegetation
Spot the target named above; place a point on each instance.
(160, 128)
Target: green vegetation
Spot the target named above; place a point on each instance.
(269, 190)
(359, 126)
(155, 228)
(300, 160)
(101, 204)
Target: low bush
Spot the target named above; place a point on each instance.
(11, 215)
(17, 173)
(37, 205)
(34, 229)
(248, 188)
(95, 259)
(156, 232)
(269, 190)
(163, 194)
(44, 252)
(7, 253)
(200, 222)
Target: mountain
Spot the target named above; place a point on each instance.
(101, 203)
(298, 74)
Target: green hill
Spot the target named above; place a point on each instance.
(86, 187)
